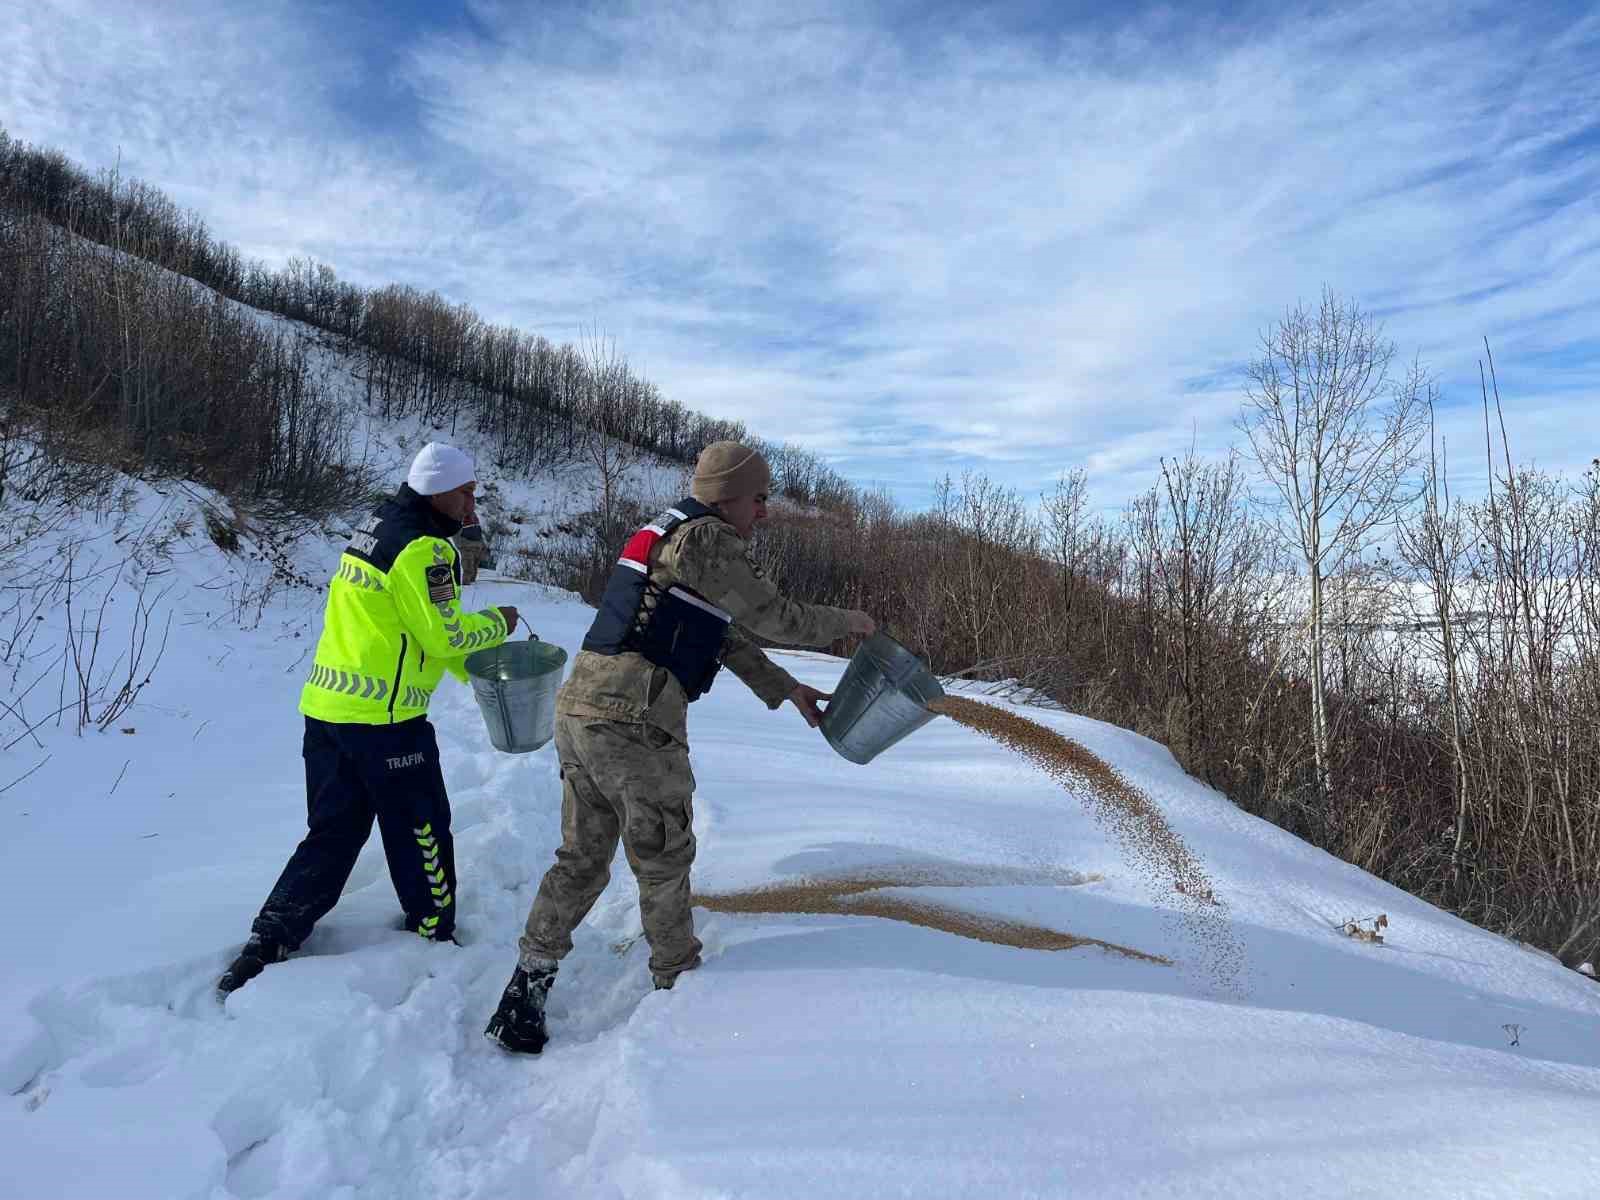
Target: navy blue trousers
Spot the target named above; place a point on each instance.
(355, 774)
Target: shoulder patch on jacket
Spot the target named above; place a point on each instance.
(441, 584)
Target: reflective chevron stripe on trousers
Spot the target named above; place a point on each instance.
(355, 774)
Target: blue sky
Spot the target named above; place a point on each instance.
(915, 238)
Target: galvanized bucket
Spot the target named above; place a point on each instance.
(515, 683)
(883, 697)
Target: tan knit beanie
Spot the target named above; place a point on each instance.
(728, 470)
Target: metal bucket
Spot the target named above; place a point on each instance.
(515, 683)
(883, 696)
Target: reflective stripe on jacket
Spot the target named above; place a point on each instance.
(393, 624)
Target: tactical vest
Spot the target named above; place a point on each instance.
(671, 627)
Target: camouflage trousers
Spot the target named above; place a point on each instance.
(627, 781)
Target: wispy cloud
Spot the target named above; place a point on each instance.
(913, 245)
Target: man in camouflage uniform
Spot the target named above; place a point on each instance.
(472, 551)
(686, 580)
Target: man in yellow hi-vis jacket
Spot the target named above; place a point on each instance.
(392, 627)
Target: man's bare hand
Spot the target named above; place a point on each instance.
(863, 624)
(805, 699)
(509, 612)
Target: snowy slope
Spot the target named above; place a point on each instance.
(812, 1056)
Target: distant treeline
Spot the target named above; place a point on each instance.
(186, 383)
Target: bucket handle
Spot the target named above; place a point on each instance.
(505, 715)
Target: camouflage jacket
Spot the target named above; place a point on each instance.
(710, 559)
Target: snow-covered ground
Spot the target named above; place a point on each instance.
(812, 1056)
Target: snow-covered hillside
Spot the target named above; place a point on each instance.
(812, 1056)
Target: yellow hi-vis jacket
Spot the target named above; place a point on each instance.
(393, 623)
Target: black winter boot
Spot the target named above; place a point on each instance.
(664, 982)
(518, 1024)
(255, 955)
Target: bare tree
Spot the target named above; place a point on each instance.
(1527, 546)
(601, 443)
(986, 538)
(1064, 530)
(1433, 543)
(1203, 551)
(1336, 436)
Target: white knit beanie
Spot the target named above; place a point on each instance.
(439, 468)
